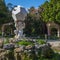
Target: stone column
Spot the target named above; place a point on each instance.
(58, 33)
(15, 55)
(48, 29)
(3, 28)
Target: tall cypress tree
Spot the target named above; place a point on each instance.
(5, 16)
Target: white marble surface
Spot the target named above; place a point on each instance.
(19, 13)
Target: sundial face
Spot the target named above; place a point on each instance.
(19, 13)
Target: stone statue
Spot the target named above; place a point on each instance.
(19, 13)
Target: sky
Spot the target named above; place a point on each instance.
(26, 3)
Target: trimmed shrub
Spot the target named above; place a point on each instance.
(41, 42)
(47, 52)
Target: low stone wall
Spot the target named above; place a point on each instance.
(54, 43)
(27, 52)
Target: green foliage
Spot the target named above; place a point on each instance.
(25, 43)
(54, 38)
(56, 57)
(5, 15)
(51, 11)
(47, 52)
(41, 41)
(34, 26)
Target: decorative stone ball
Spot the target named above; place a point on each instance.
(19, 13)
(29, 47)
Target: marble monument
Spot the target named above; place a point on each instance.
(19, 13)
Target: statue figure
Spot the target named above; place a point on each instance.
(19, 13)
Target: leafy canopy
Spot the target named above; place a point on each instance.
(51, 11)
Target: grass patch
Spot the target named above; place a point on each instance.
(25, 43)
(41, 41)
